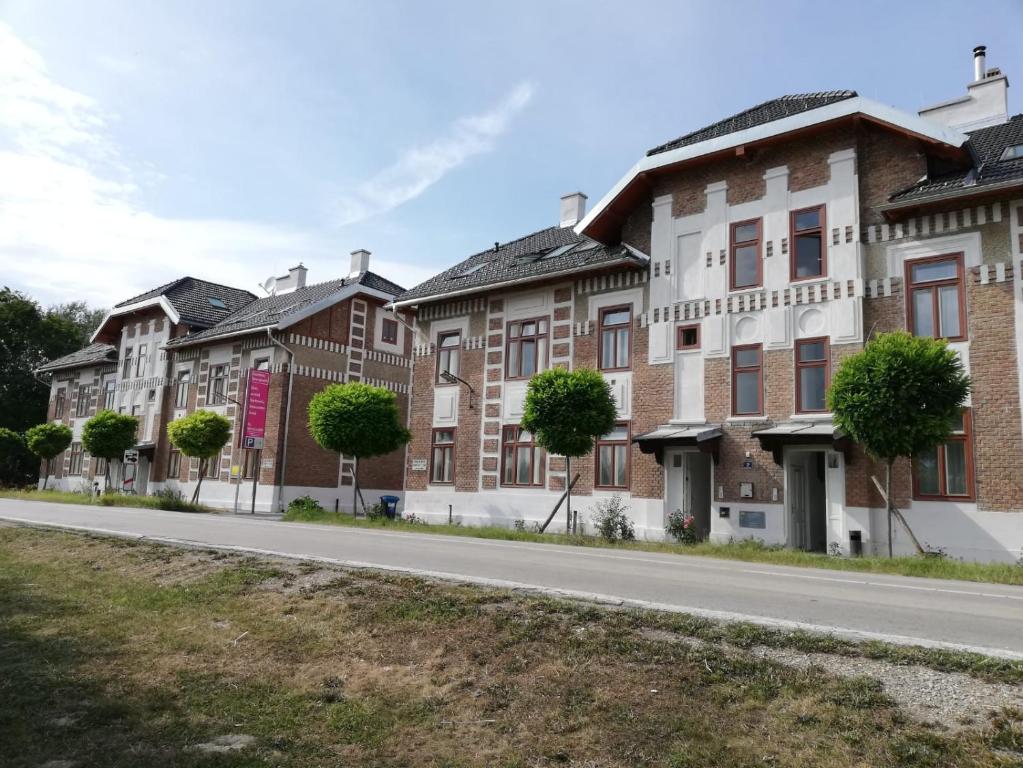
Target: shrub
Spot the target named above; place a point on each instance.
(168, 498)
(611, 520)
(376, 511)
(304, 504)
(682, 527)
(412, 519)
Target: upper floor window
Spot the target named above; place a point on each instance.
(442, 457)
(615, 338)
(84, 396)
(812, 375)
(522, 460)
(688, 337)
(218, 384)
(449, 346)
(745, 255)
(109, 393)
(126, 368)
(140, 360)
(389, 331)
(60, 403)
(181, 389)
(747, 380)
(261, 364)
(946, 471)
(935, 295)
(527, 348)
(613, 458)
(809, 257)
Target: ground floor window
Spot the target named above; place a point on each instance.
(613, 458)
(174, 463)
(946, 471)
(213, 466)
(522, 459)
(442, 459)
(75, 467)
(251, 464)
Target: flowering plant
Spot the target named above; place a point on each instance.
(682, 527)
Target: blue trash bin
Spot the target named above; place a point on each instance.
(390, 506)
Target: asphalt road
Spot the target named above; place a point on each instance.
(981, 617)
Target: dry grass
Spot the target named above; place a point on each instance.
(118, 653)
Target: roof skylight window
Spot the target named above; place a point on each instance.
(471, 270)
(218, 303)
(1014, 152)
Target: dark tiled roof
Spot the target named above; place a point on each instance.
(191, 296)
(769, 111)
(270, 310)
(987, 145)
(93, 354)
(550, 250)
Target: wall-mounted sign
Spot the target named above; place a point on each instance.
(253, 443)
(747, 463)
(131, 456)
(267, 463)
(752, 518)
(745, 490)
(256, 396)
(419, 465)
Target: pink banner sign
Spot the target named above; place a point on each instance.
(256, 397)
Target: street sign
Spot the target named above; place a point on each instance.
(131, 456)
(254, 443)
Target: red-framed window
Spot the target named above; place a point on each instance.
(213, 466)
(522, 461)
(936, 297)
(946, 471)
(615, 338)
(449, 347)
(181, 389)
(75, 464)
(526, 348)
(251, 464)
(389, 331)
(442, 457)
(173, 464)
(809, 252)
(744, 266)
(60, 403)
(748, 380)
(813, 375)
(218, 385)
(688, 337)
(84, 398)
(613, 458)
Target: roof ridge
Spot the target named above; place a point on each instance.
(501, 245)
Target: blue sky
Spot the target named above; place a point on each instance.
(141, 140)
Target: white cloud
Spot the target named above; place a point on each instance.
(421, 167)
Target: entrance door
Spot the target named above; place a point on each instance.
(807, 500)
(687, 486)
(142, 476)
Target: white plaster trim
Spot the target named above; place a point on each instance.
(156, 301)
(968, 243)
(601, 300)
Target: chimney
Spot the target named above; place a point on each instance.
(979, 63)
(294, 280)
(573, 209)
(360, 262)
(986, 102)
(296, 275)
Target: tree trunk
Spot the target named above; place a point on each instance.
(889, 505)
(106, 475)
(568, 497)
(198, 485)
(355, 487)
(46, 477)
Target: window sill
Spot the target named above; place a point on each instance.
(809, 281)
(745, 291)
(744, 419)
(812, 416)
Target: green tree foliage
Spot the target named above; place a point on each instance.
(900, 395)
(200, 435)
(108, 435)
(47, 441)
(566, 411)
(357, 420)
(30, 336)
(13, 453)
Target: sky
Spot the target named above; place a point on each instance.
(141, 141)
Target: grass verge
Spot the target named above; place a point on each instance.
(121, 653)
(748, 550)
(169, 501)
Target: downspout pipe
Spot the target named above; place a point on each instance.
(279, 490)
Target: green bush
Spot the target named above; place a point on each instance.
(376, 511)
(681, 526)
(305, 504)
(168, 498)
(612, 521)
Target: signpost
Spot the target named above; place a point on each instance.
(130, 462)
(254, 424)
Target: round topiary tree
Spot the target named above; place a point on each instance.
(566, 411)
(107, 435)
(897, 397)
(47, 441)
(201, 434)
(356, 420)
(12, 452)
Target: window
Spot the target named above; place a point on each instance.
(747, 381)
(75, 468)
(173, 464)
(442, 457)
(389, 331)
(1013, 152)
(60, 404)
(809, 257)
(261, 364)
(101, 468)
(213, 466)
(935, 296)
(127, 368)
(813, 371)
(613, 458)
(84, 396)
(218, 385)
(449, 346)
(250, 465)
(522, 459)
(217, 303)
(140, 360)
(181, 389)
(946, 471)
(615, 338)
(745, 253)
(109, 394)
(527, 348)
(688, 337)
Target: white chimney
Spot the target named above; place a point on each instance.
(986, 101)
(573, 209)
(294, 280)
(360, 262)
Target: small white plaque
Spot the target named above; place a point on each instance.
(419, 465)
